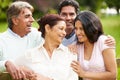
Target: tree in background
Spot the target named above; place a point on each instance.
(43, 6)
(3, 7)
(92, 5)
(50, 6)
(114, 4)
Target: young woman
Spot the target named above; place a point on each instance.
(96, 61)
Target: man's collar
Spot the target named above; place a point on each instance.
(70, 35)
(61, 46)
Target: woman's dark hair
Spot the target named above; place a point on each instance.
(50, 19)
(91, 25)
(64, 3)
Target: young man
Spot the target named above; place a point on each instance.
(19, 37)
(68, 9)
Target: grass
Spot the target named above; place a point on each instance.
(118, 76)
(3, 26)
(111, 26)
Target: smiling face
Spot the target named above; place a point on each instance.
(23, 22)
(57, 32)
(69, 14)
(80, 32)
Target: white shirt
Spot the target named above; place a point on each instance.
(13, 46)
(57, 67)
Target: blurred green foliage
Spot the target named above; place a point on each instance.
(3, 7)
(114, 3)
(111, 26)
(51, 7)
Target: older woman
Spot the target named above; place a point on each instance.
(96, 60)
(51, 59)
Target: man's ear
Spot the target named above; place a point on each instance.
(15, 20)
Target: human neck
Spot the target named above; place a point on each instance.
(88, 45)
(50, 46)
(88, 49)
(70, 34)
(18, 32)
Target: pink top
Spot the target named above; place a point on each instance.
(96, 63)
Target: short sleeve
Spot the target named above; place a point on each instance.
(101, 42)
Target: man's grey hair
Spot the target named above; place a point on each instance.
(14, 10)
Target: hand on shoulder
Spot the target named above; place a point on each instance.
(73, 48)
